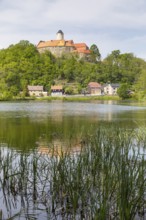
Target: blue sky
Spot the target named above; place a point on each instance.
(110, 24)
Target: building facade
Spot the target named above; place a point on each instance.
(94, 88)
(37, 91)
(57, 90)
(111, 89)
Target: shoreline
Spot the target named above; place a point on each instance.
(63, 98)
(71, 98)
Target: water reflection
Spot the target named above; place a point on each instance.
(58, 147)
(22, 124)
(50, 184)
(31, 132)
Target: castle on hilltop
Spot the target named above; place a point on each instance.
(60, 46)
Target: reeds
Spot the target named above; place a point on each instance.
(106, 180)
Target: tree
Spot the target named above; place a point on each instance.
(140, 85)
(21, 65)
(123, 91)
(95, 54)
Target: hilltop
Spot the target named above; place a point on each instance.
(22, 65)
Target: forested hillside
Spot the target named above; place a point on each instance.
(22, 65)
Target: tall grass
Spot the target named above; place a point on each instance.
(106, 180)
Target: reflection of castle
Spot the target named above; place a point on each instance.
(59, 148)
(60, 46)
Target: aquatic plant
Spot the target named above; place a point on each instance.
(105, 180)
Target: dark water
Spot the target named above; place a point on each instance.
(34, 126)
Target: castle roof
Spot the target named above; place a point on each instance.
(81, 48)
(60, 32)
(77, 47)
(56, 43)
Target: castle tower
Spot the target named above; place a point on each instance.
(60, 35)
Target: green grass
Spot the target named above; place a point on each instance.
(79, 98)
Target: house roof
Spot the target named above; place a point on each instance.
(94, 84)
(35, 88)
(57, 87)
(114, 85)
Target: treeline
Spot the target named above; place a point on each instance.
(21, 65)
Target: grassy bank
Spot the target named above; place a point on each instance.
(71, 98)
(63, 98)
(79, 98)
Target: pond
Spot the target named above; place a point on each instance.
(29, 130)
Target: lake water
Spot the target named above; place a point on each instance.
(24, 124)
(34, 126)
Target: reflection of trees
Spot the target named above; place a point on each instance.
(23, 133)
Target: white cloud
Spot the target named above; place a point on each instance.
(111, 24)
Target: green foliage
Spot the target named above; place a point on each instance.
(6, 96)
(124, 91)
(69, 90)
(140, 85)
(124, 68)
(95, 54)
(21, 65)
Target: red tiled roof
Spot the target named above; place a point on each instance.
(59, 87)
(87, 51)
(82, 48)
(78, 47)
(94, 84)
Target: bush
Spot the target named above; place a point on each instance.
(69, 90)
(124, 91)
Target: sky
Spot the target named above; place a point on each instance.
(110, 24)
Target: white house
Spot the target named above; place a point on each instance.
(111, 89)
